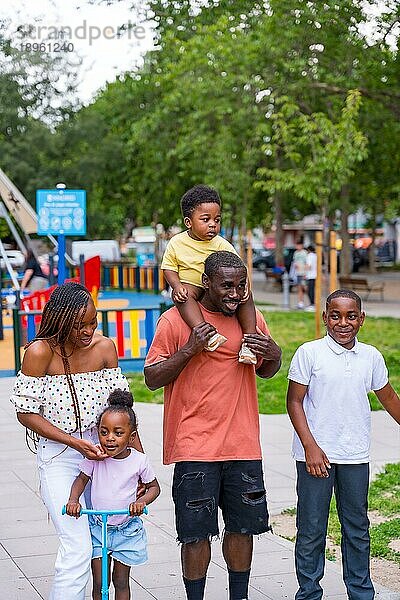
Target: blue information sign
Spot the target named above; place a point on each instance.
(61, 212)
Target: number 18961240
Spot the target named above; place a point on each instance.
(47, 47)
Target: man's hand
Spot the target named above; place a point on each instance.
(179, 294)
(317, 463)
(263, 345)
(199, 337)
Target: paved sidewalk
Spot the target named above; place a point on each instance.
(28, 543)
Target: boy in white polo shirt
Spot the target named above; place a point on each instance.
(327, 402)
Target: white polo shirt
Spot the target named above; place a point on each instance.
(336, 402)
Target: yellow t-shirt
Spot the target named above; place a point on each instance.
(186, 256)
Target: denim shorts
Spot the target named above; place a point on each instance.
(236, 486)
(126, 543)
(301, 279)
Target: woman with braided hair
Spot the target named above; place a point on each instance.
(67, 374)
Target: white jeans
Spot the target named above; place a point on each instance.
(58, 466)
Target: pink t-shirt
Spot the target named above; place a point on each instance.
(115, 480)
(211, 408)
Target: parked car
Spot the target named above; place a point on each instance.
(386, 253)
(265, 259)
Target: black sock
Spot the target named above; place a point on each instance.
(194, 588)
(238, 584)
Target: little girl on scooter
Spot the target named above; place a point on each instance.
(114, 482)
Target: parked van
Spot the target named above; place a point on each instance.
(108, 250)
(142, 243)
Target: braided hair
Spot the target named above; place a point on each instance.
(120, 401)
(59, 318)
(61, 311)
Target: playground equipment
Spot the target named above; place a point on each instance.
(123, 276)
(104, 514)
(131, 326)
(132, 330)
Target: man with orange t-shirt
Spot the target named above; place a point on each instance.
(211, 426)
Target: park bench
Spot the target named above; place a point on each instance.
(361, 284)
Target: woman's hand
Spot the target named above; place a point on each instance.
(89, 450)
(141, 489)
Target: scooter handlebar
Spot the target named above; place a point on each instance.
(91, 511)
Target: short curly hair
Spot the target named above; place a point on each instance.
(344, 294)
(198, 195)
(222, 258)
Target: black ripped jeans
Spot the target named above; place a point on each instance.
(236, 486)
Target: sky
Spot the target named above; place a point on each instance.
(90, 33)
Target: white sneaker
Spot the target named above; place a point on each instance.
(300, 305)
(246, 356)
(310, 308)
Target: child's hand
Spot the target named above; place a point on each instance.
(136, 508)
(180, 294)
(317, 462)
(73, 509)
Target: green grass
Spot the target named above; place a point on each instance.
(384, 498)
(289, 511)
(290, 330)
(140, 392)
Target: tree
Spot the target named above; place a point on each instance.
(205, 101)
(320, 155)
(36, 92)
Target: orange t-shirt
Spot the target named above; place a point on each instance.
(211, 408)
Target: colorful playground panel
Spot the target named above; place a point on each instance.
(131, 329)
(126, 277)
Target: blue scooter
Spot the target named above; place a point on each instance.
(104, 554)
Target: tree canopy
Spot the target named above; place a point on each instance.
(286, 107)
